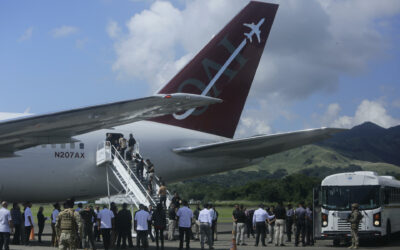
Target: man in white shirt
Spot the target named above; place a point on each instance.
(185, 216)
(142, 218)
(259, 218)
(105, 219)
(6, 226)
(28, 221)
(53, 218)
(205, 220)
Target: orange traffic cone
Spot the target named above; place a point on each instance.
(233, 246)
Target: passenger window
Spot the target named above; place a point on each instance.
(72, 145)
(81, 145)
(63, 145)
(53, 145)
(44, 145)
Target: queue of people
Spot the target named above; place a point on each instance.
(82, 227)
(274, 222)
(71, 229)
(198, 225)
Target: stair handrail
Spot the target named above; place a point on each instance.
(157, 182)
(126, 165)
(129, 197)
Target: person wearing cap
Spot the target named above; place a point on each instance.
(87, 217)
(354, 219)
(68, 226)
(6, 226)
(259, 218)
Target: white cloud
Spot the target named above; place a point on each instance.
(367, 111)
(330, 115)
(64, 31)
(113, 29)
(310, 46)
(152, 48)
(252, 126)
(258, 119)
(27, 35)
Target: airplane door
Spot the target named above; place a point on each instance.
(317, 195)
(114, 137)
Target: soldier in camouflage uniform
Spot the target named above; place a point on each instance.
(68, 226)
(354, 218)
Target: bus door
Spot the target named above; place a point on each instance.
(317, 198)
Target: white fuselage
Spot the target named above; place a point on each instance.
(61, 171)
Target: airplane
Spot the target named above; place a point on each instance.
(255, 29)
(52, 157)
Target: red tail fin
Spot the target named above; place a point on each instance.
(225, 69)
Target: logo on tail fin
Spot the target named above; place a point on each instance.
(255, 30)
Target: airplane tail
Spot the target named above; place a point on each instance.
(225, 69)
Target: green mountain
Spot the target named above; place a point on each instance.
(314, 160)
(365, 147)
(368, 142)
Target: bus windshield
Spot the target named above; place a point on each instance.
(341, 197)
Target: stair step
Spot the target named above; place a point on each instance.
(125, 172)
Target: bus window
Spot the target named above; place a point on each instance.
(341, 197)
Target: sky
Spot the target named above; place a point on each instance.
(326, 63)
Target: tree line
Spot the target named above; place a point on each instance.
(289, 188)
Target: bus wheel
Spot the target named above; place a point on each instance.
(336, 242)
(388, 232)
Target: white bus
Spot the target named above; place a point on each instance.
(378, 198)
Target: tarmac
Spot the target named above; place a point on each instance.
(225, 242)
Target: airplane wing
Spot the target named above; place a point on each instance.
(259, 146)
(59, 127)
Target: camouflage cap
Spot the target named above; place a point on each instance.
(354, 205)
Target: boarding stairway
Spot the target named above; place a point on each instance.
(134, 187)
